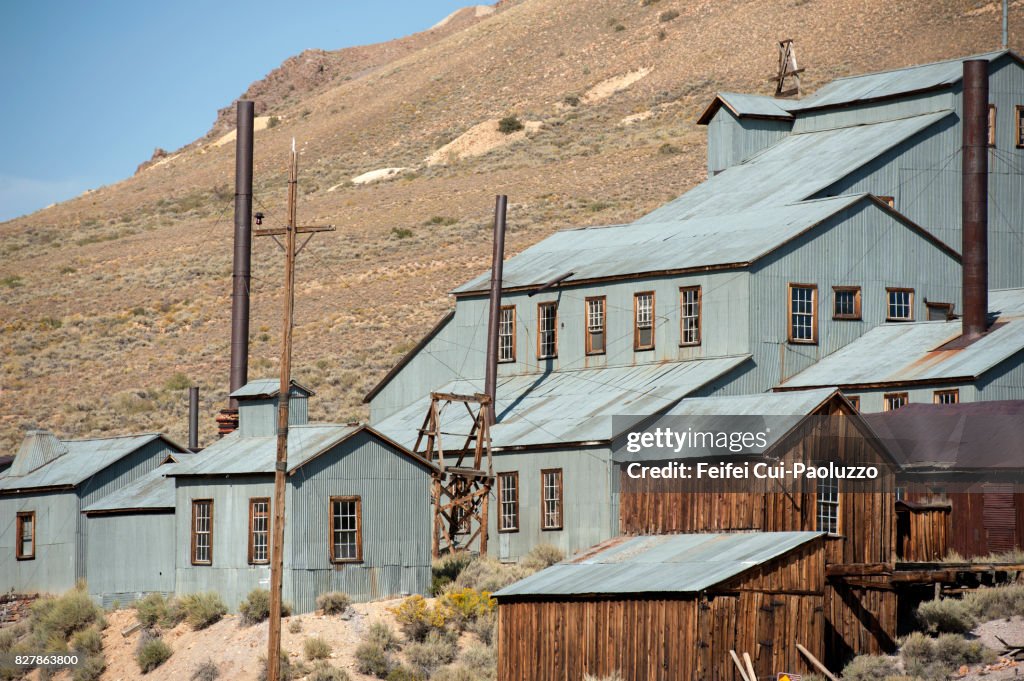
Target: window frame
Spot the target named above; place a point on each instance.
(993, 117)
(501, 315)
(502, 501)
(195, 534)
(855, 401)
(889, 290)
(21, 516)
(857, 314)
(637, 347)
(813, 340)
(544, 500)
(683, 290)
(1019, 120)
(554, 330)
(344, 498)
(939, 394)
(836, 505)
(886, 397)
(932, 305)
(252, 543)
(588, 342)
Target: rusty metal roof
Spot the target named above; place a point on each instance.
(743, 105)
(565, 406)
(912, 351)
(675, 563)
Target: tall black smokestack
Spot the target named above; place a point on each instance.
(243, 249)
(975, 198)
(193, 419)
(494, 318)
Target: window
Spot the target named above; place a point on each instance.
(551, 507)
(991, 125)
(899, 305)
(803, 313)
(259, 530)
(25, 547)
(855, 401)
(1019, 127)
(508, 499)
(893, 401)
(901, 493)
(846, 302)
(507, 334)
(828, 505)
(202, 531)
(595, 325)
(939, 312)
(346, 530)
(888, 200)
(946, 396)
(643, 316)
(547, 330)
(689, 315)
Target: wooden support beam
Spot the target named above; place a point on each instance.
(858, 569)
(816, 662)
(739, 666)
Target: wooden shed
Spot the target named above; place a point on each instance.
(668, 607)
(922, 530)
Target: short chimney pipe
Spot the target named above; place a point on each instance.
(494, 317)
(974, 252)
(193, 418)
(241, 269)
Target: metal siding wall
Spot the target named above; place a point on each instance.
(731, 139)
(258, 418)
(588, 517)
(1003, 382)
(53, 569)
(875, 112)
(130, 555)
(872, 401)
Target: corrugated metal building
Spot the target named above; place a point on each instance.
(43, 534)
(358, 509)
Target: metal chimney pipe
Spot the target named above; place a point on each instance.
(193, 418)
(975, 197)
(494, 318)
(241, 271)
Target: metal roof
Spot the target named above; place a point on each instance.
(895, 353)
(675, 563)
(566, 406)
(236, 455)
(743, 105)
(268, 387)
(872, 86)
(38, 448)
(83, 459)
(153, 490)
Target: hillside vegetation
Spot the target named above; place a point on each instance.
(112, 303)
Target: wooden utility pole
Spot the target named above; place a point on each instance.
(289, 233)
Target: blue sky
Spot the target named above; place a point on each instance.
(89, 89)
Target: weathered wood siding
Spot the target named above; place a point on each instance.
(922, 533)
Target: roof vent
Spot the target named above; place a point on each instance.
(39, 448)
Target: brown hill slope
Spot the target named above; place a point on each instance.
(110, 302)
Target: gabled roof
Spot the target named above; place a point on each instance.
(566, 407)
(153, 491)
(885, 84)
(670, 563)
(746, 106)
(911, 352)
(83, 459)
(695, 244)
(236, 455)
(268, 387)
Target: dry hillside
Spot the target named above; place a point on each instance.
(112, 302)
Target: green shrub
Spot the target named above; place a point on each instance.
(333, 602)
(485, 627)
(487, 574)
(87, 641)
(668, 15)
(316, 648)
(918, 655)
(206, 671)
(91, 668)
(295, 626)
(481, 659)
(403, 674)
(58, 618)
(949, 615)
(996, 603)
(381, 634)
(457, 672)
(869, 668)
(417, 618)
(435, 651)
(202, 609)
(10, 636)
(509, 125)
(953, 650)
(542, 556)
(446, 569)
(571, 100)
(151, 610)
(461, 606)
(667, 149)
(287, 670)
(273, 122)
(323, 671)
(178, 381)
(256, 607)
(401, 232)
(372, 659)
(152, 653)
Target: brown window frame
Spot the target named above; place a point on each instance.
(888, 200)
(910, 306)
(813, 340)
(993, 117)
(20, 528)
(543, 500)
(938, 394)
(1019, 119)
(683, 290)
(886, 397)
(554, 324)
(501, 315)
(359, 528)
(855, 401)
(931, 305)
(195, 534)
(637, 347)
(502, 502)
(857, 314)
(588, 343)
(252, 536)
